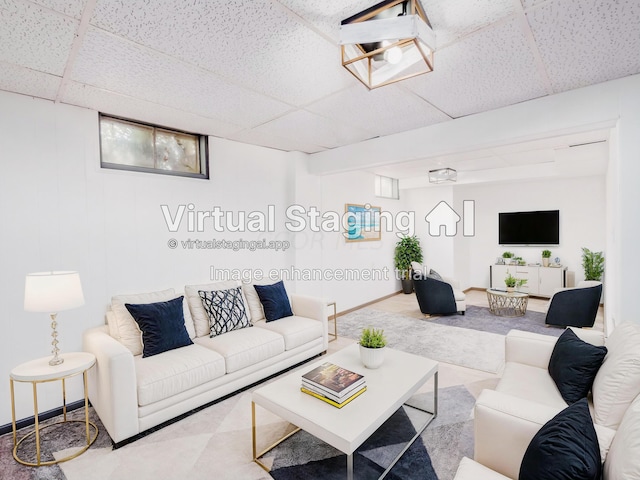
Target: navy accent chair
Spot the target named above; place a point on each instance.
(436, 297)
(575, 307)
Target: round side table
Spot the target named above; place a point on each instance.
(39, 371)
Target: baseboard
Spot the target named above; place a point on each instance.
(344, 312)
(25, 422)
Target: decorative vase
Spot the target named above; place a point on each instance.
(372, 357)
(545, 262)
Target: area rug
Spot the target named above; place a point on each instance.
(433, 456)
(480, 318)
(460, 346)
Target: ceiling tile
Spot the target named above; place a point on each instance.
(326, 15)
(272, 141)
(531, 3)
(28, 82)
(313, 129)
(453, 19)
(489, 69)
(35, 37)
(251, 42)
(137, 109)
(115, 64)
(586, 42)
(72, 8)
(382, 111)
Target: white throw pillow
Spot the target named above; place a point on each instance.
(124, 328)
(618, 380)
(198, 313)
(622, 461)
(420, 268)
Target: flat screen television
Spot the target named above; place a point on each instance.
(529, 228)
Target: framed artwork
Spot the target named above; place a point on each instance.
(362, 223)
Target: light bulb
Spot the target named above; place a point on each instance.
(393, 55)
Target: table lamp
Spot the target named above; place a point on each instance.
(53, 292)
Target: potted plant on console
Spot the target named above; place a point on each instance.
(372, 343)
(546, 255)
(408, 250)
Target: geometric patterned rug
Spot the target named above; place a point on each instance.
(439, 449)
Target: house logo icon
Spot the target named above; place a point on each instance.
(444, 217)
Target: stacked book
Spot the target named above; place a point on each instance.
(333, 384)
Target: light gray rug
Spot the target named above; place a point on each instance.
(480, 318)
(459, 346)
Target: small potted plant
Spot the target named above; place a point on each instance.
(507, 256)
(513, 283)
(372, 343)
(546, 255)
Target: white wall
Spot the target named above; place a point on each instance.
(582, 205)
(60, 211)
(606, 105)
(438, 251)
(331, 253)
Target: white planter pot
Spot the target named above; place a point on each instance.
(545, 262)
(372, 357)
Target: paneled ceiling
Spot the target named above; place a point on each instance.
(267, 72)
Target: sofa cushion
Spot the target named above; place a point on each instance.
(246, 347)
(531, 383)
(124, 328)
(175, 371)
(226, 310)
(162, 325)
(275, 301)
(199, 314)
(618, 380)
(623, 461)
(295, 330)
(565, 448)
(573, 365)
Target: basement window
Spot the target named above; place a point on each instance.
(139, 147)
(386, 187)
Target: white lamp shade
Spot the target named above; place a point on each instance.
(52, 292)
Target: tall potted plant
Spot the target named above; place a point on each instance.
(546, 255)
(408, 250)
(593, 264)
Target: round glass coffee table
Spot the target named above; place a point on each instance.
(507, 304)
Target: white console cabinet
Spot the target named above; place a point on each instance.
(541, 281)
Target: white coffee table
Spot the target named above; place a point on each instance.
(388, 388)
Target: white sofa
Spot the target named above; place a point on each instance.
(526, 397)
(132, 394)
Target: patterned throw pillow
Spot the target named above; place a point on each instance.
(226, 310)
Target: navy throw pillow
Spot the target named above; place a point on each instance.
(565, 448)
(573, 365)
(275, 301)
(162, 326)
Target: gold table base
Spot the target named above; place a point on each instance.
(507, 305)
(16, 443)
